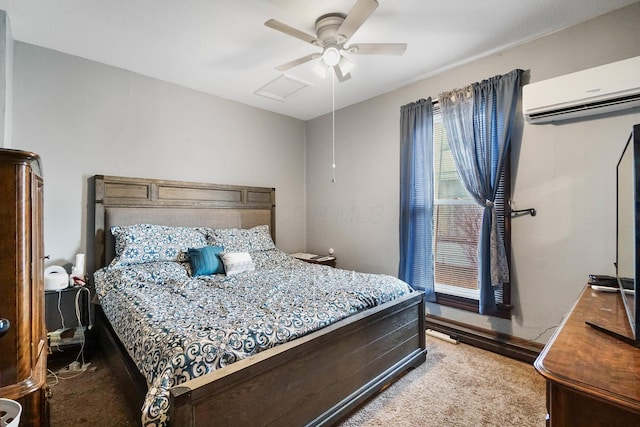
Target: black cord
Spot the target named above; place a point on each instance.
(547, 330)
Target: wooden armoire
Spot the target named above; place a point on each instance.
(23, 346)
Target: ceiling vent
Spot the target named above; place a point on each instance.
(598, 90)
(283, 88)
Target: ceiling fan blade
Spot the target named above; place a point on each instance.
(377, 48)
(284, 28)
(341, 77)
(298, 61)
(356, 17)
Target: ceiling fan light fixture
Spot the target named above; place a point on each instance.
(320, 68)
(331, 56)
(332, 32)
(345, 66)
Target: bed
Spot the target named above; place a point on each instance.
(317, 378)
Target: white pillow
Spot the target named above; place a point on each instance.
(237, 262)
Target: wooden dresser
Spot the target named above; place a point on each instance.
(23, 353)
(592, 378)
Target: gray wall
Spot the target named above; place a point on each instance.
(565, 171)
(84, 118)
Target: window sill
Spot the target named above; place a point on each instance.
(504, 310)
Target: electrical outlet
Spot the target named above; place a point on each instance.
(75, 366)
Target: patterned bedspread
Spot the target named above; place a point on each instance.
(177, 327)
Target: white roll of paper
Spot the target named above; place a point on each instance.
(440, 335)
(78, 268)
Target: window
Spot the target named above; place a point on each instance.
(456, 227)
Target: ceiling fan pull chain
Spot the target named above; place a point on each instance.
(333, 127)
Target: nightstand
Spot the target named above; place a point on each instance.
(316, 259)
(61, 320)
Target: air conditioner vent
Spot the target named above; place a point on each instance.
(610, 87)
(587, 109)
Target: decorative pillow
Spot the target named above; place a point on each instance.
(204, 261)
(140, 243)
(237, 262)
(244, 240)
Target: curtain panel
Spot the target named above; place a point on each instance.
(416, 196)
(478, 120)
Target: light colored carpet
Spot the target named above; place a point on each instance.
(459, 385)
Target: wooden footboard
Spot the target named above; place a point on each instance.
(314, 380)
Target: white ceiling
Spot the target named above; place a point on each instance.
(222, 47)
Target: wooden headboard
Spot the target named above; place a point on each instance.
(128, 201)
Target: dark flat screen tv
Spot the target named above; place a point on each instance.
(628, 236)
(628, 229)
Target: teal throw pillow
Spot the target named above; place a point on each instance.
(205, 261)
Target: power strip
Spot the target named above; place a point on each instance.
(77, 366)
(56, 338)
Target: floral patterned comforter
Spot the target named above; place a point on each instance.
(177, 327)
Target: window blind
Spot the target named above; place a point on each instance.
(457, 222)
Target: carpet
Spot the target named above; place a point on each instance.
(458, 385)
(91, 398)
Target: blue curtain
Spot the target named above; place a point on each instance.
(478, 120)
(416, 196)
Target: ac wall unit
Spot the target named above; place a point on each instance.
(598, 90)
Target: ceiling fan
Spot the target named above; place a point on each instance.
(333, 31)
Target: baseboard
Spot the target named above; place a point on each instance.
(506, 345)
